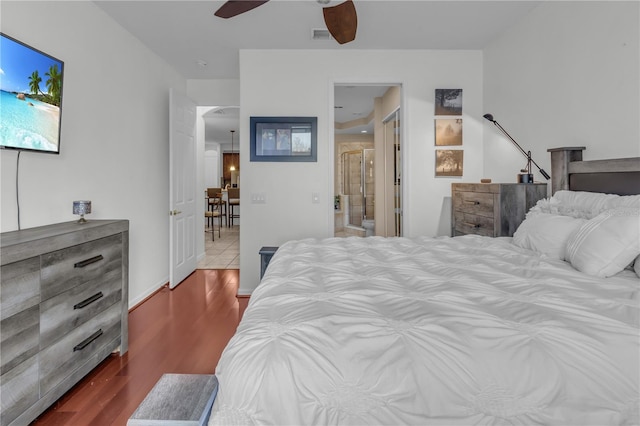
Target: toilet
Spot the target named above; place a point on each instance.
(368, 226)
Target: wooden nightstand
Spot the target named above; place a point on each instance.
(266, 253)
(492, 209)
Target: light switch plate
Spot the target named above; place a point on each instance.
(258, 198)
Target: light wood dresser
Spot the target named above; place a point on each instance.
(492, 209)
(63, 309)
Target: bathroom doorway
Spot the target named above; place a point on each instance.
(368, 164)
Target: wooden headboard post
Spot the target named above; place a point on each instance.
(560, 159)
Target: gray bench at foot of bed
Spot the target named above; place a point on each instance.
(177, 399)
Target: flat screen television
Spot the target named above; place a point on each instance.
(31, 98)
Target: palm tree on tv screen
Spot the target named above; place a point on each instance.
(54, 84)
(34, 82)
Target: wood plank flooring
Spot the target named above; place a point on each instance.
(174, 331)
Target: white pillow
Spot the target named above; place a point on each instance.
(582, 204)
(546, 233)
(606, 244)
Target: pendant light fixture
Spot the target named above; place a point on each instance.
(232, 167)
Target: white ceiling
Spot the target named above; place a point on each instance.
(186, 33)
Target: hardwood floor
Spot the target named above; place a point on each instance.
(174, 331)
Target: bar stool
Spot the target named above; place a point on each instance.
(211, 215)
(214, 195)
(234, 201)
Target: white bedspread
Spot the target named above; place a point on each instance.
(466, 330)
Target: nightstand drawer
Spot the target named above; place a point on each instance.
(68, 310)
(474, 202)
(67, 268)
(469, 223)
(68, 354)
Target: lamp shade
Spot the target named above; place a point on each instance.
(81, 207)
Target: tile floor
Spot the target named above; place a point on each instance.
(224, 252)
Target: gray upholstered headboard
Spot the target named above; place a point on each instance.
(615, 176)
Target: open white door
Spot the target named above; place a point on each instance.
(182, 188)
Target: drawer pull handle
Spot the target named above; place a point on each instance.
(472, 225)
(88, 301)
(80, 346)
(475, 203)
(89, 261)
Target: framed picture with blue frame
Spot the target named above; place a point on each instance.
(283, 139)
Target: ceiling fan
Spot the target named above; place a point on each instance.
(341, 20)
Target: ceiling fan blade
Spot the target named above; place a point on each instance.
(342, 21)
(236, 7)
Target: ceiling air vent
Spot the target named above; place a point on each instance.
(321, 34)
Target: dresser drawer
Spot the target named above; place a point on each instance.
(480, 203)
(65, 311)
(77, 347)
(19, 286)
(18, 390)
(69, 267)
(19, 338)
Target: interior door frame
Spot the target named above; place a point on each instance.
(204, 113)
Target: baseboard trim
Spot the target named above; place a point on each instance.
(244, 293)
(133, 304)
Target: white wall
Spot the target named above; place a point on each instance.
(566, 75)
(301, 83)
(214, 92)
(114, 148)
(211, 168)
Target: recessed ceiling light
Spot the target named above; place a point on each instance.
(363, 131)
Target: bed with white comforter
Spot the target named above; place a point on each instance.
(432, 331)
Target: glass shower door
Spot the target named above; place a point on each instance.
(352, 178)
(368, 183)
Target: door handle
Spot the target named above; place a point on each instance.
(174, 212)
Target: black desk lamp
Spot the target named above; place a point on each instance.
(526, 176)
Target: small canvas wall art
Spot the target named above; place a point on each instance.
(448, 101)
(448, 131)
(449, 162)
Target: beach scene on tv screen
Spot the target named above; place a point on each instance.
(31, 94)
